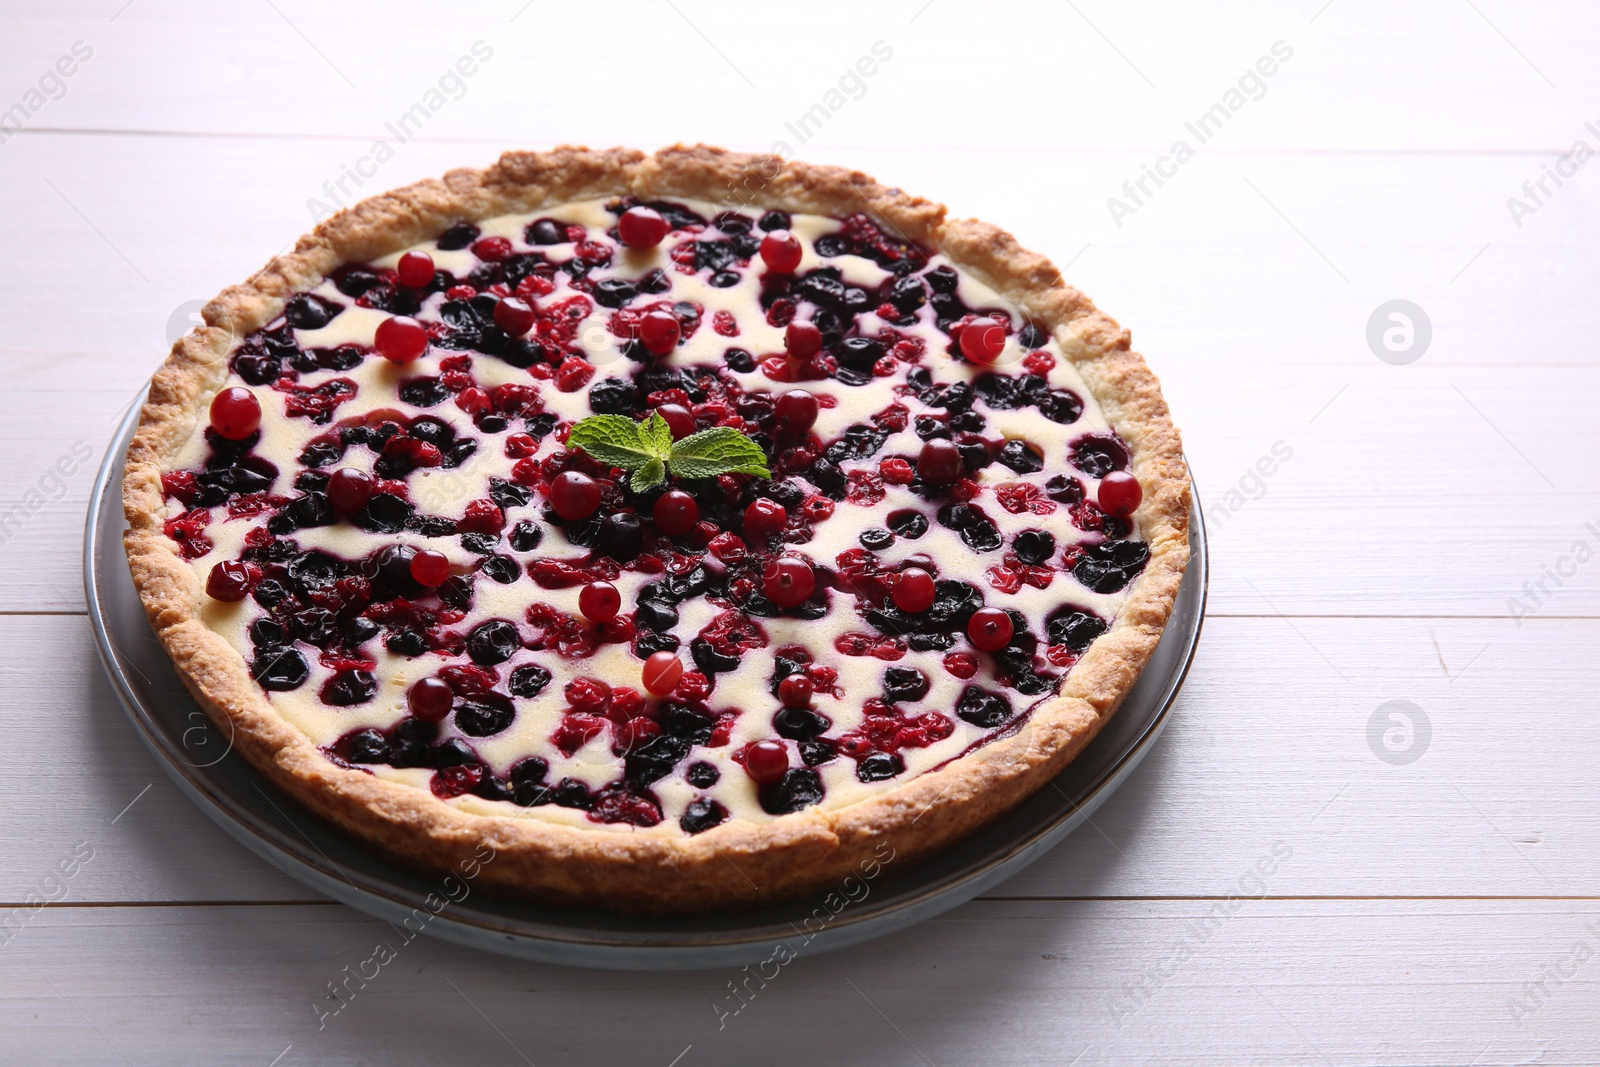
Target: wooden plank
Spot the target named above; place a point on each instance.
(1246, 981)
(1270, 742)
(1432, 75)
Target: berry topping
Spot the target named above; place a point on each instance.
(662, 672)
(642, 227)
(400, 339)
(1119, 494)
(350, 490)
(913, 590)
(939, 462)
(574, 496)
(764, 518)
(788, 581)
(679, 420)
(766, 762)
(231, 581)
(599, 601)
(235, 413)
(990, 629)
(781, 251)
(797, 411)
(514, 316)
(796, 691)
(675, 513)
(659, 332)
(430, 568)
(415, 269)
(802, 339)
(983, 340)
(430, 699)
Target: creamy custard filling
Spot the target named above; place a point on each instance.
(464, 441)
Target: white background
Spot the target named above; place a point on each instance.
(1382, 562)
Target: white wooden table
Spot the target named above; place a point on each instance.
(1433, 888)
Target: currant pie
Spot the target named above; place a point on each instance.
(681, 526)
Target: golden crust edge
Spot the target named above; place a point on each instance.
(738, 863)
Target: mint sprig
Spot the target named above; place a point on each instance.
(647, 451)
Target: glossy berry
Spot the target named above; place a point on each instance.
(796, 411)
(659, 332)
(430, 568)
(429, 699)
(400, 339)
(1119, 494)
(350, 490)
(766, 761)
(796, 691)
(235, 413)
(675, 513)
(662, 672)
(983, 340)
(514, 316)
(802, 339)
(940, 462)
(642, 227)
(599, 601)
(574, 496)
(780, 249)
(764, 518)
(231, 581)
(788, 581)
(913, 591)
(415, 269)
(990, 629)
(679, 420)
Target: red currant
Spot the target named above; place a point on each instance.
(574, 496)
(913, 590)
(599, 601)
(983, 340)
(675, 513)
(1119, 494)
(662, 672)
(940, 462)
(400, 339)
(350, 490)
(231, 580)
(415, 269)
(796, 411)
(990, 629)
(766, 761)
(492, 249)
(788, 581)
(235, 413)
(802, 339)
(764, 518)
(796, 690)
(514, 316)
(679, 420)
(430, 568)
(642, 227)
(961, 664)
(781, 250)
(430, 699)
(659, 332)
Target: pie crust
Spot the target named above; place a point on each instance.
(738, 863)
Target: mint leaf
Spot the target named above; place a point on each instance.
(649, 476)
(656, 435)
(615, 439)
(719, 450)
(648, 451)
